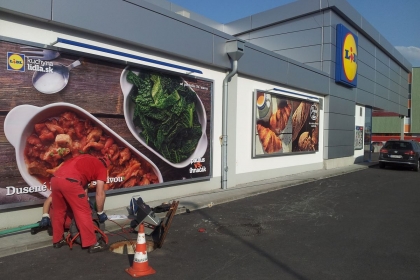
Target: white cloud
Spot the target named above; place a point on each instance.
(412, 54)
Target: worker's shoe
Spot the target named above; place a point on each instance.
(98, 247)
(60, 244)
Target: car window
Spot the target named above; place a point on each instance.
(398, 145)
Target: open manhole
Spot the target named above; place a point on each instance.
(240, 230)
(127, 247)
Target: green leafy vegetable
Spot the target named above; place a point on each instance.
(166, 114)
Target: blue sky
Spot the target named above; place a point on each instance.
(397, 20)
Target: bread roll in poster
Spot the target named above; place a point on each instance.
(278, 120)
(299, 118)
(269, 140)
(305, 142)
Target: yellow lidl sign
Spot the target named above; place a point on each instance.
(346, 57)
(15, 62)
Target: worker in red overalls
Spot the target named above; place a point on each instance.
(68, 190)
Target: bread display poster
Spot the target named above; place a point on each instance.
(284, 124)
(152, 124)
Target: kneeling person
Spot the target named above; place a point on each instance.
(67, 188)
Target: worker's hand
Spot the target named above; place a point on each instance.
(102, 217)
(45, 221)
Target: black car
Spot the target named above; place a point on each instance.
(400, 152)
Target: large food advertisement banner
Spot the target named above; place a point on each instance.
(285, 124)
(153, 125)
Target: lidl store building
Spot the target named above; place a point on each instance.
(182, 104)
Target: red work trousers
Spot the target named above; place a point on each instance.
(71, 194)
(67, 219)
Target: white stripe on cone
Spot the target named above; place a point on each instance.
(141, 238)
(140, 257)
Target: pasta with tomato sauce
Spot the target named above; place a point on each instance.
(57, 139)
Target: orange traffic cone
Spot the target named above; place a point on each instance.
(140, 265)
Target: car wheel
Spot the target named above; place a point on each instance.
(381, 165)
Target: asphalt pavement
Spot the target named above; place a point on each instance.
(359, 222)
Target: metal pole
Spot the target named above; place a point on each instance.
(224, 122)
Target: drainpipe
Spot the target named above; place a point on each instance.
(235, 50)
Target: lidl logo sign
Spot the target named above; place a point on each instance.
(346, 57)
(15, 62)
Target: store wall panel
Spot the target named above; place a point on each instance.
(341, 91)
(404, 112)
(338, 121)
(369, 29)
(394, 76)
(394, 87)
(365, 84)
(160, 30)
(339, 106)
(364, 97)
(261, 65)
(339, 137)
(329, 35)
(244, 36)
(381, 68)
(350, 12)
(327, 14)
(380, 102)
(386, 44)
(394, 66)
(366, 45)
(404, 76)
(328, 67)
(394, 97)
(364, 70)
(381, 91)
(335, 19)
(303, 54)
(299, 24)
(290, 40)
(238, 26)
(328, 52)
(161, 3)
(366, 57)
(398, 55)
(404, 103)
(382, 80)
(191, 15)
(394, 107)
(381, 56)
(403, 92)
(309, 80)
(219, 49)
(36, 8)
(340, 151)
(283, 12)
(404, 86)
(316, 65)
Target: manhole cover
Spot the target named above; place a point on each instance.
(240, 230)
(127, 247)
